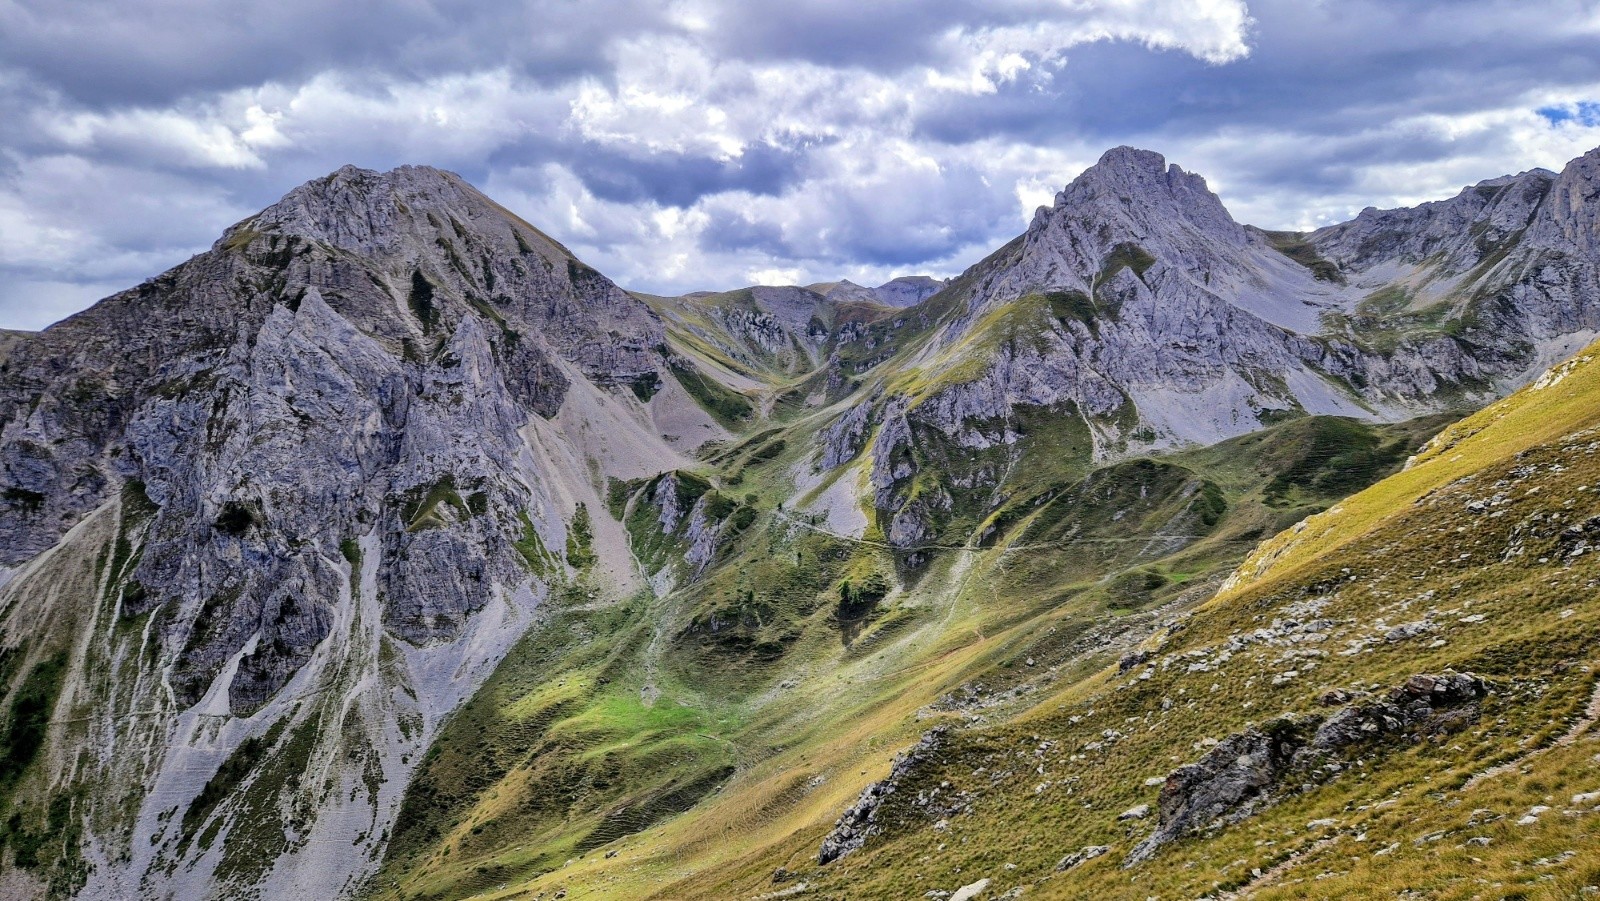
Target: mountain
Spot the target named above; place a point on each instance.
(1138, 308)
(1397, 695)
(282, 508)
(386, 549)
(908, 290)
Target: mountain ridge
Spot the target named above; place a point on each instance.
(388, 487)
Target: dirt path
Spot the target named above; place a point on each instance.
(973, 548)
(1591, 715)
(1277, 872)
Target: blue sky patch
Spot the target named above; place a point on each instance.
(1584, 112)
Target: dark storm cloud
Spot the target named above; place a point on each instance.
(110, 52)
(735, 232)
(885, 37)
(678, 180)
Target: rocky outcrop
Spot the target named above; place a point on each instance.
(1081, 856)
(680, 521)
(1250, 770)
(844, 438)
(858, 822)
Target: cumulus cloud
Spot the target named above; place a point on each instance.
(709, 143)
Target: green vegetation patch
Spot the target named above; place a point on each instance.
(28, 717)
(724, 404)
(558, 754)
(1125, 256)
(237, 518)
(23, 499)
(580, 539)
(422, 303)
(1295, 246)
(229, 776)
(531, 548)
(424, 506)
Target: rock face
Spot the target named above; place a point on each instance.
(315, 439)
(395, 329)
(680, 521)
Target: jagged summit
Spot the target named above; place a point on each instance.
(1133, 215)
(1141, 190)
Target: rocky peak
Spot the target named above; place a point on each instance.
(1132, 211)
(434, 246)
(369, 212)
(1138, 191)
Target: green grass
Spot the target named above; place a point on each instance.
(580, 540)
(566, 752)
(1534, 642)
(1295, 246)
(728, 407)
(1125, 256)
(559, 753)
(425, 506)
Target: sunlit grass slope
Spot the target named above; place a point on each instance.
(691, 745)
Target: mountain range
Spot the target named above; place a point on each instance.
(388, 550)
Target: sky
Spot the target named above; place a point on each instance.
(709, 144)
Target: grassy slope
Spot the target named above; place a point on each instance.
(756, 659)
(1510, 600)
(755, 667)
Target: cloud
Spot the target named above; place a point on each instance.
(111, 52)
(707, 143)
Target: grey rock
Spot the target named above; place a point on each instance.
(1252, 769)
(1174, 324)
(858, 822)
(1406, 631)
(908, 290)
(1081, 856)
(344, 376)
